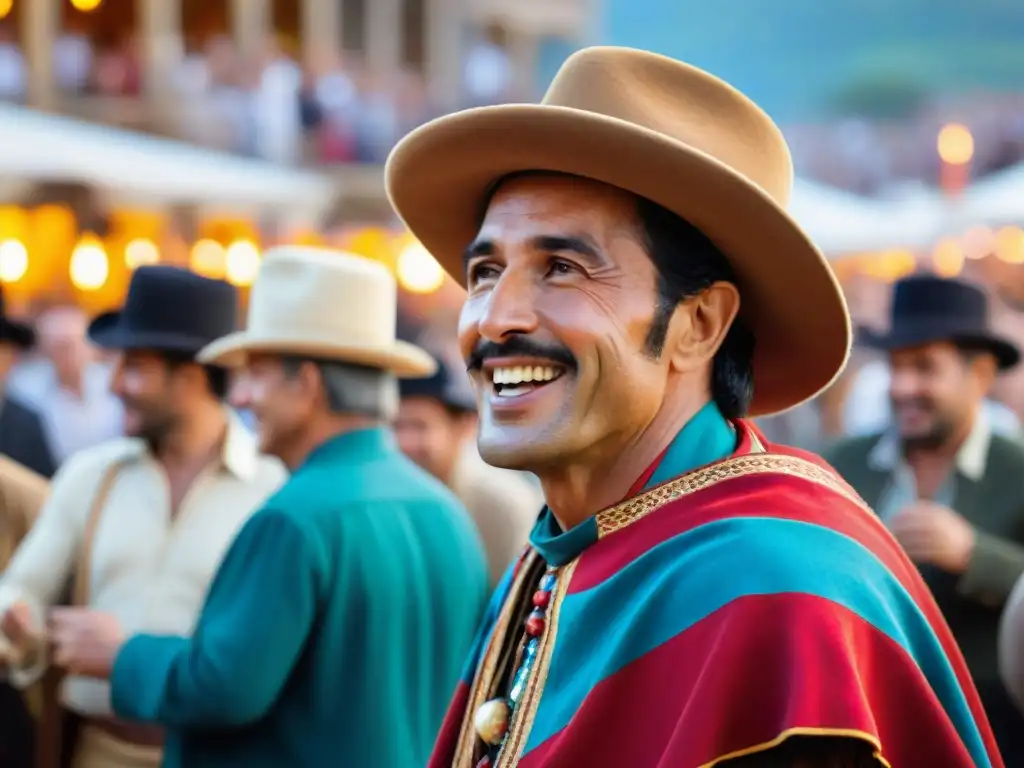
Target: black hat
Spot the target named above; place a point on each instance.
(442, 386)
(168, 309)
(13, 332)
(926, 309)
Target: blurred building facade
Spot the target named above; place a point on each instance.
(427, 40)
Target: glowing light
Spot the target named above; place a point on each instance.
(85, 6)
(208, 259)
(13, 261)
(955, 144)
(890, 265)
(979, 242)
(90, 266)
(418, 271)
(5, 8)
(948, 258)
(243, 262)
(307, 237)
(141, 252)
(1010, 245)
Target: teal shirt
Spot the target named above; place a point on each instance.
(334, 631)
(706, 438)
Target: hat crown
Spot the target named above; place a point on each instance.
(312, 293)
(951, 301)
(679, 102)
(165, 299)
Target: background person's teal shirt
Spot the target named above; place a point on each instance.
(334, 631)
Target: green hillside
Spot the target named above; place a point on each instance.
(804, 58)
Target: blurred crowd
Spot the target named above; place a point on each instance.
(328, 110)
(870, 156)
(332, 109)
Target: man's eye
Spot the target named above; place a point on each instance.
(561, 267)
(480, 272)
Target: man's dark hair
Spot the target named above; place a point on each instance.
(216, 377)
(349, 388)
(688, 263)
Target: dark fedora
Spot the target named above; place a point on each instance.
(13, 332)
(168, 309)
(442, 386)
(927, 309)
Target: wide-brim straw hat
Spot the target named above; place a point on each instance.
(673, 134)
(323, 305)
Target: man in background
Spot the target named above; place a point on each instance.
(337, 624)
(22, 437)
(949, 487)
(436, 428)
(69, 386)
(140, 523)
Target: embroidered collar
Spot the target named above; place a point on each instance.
(708, 437)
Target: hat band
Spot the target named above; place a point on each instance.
(939, 323)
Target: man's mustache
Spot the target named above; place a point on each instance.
(520, 346)
(914, 402)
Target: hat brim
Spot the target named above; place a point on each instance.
(1006, 353)
(20, 335)
(439, 176)
(107, 332)
(404, 360)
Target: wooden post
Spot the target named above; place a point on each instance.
(384, 36)
(444, 49)
(40, 26)
(251, 22)
(321, 28)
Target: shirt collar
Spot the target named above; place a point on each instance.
(970, 459)
(356, 447)
(708, 437)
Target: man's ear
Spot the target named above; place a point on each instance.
(700, 324)
(985, 368)
(309, 382)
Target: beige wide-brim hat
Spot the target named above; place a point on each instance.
(325, 305)
(673, 134)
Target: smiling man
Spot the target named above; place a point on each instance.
(942, 480)
(692, 595)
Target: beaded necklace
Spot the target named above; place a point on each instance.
(493, 718)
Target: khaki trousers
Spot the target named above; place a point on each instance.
(97, 749)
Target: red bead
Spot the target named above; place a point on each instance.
(541, 599)
(485, 762)
(534, 626)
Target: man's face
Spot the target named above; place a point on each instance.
(62, 338)
(935, 390)
(431, 434)
(280, 402)
(562, 296)
(154, 394)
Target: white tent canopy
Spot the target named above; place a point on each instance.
(996, 200)
(40, 147)
(840, 222)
